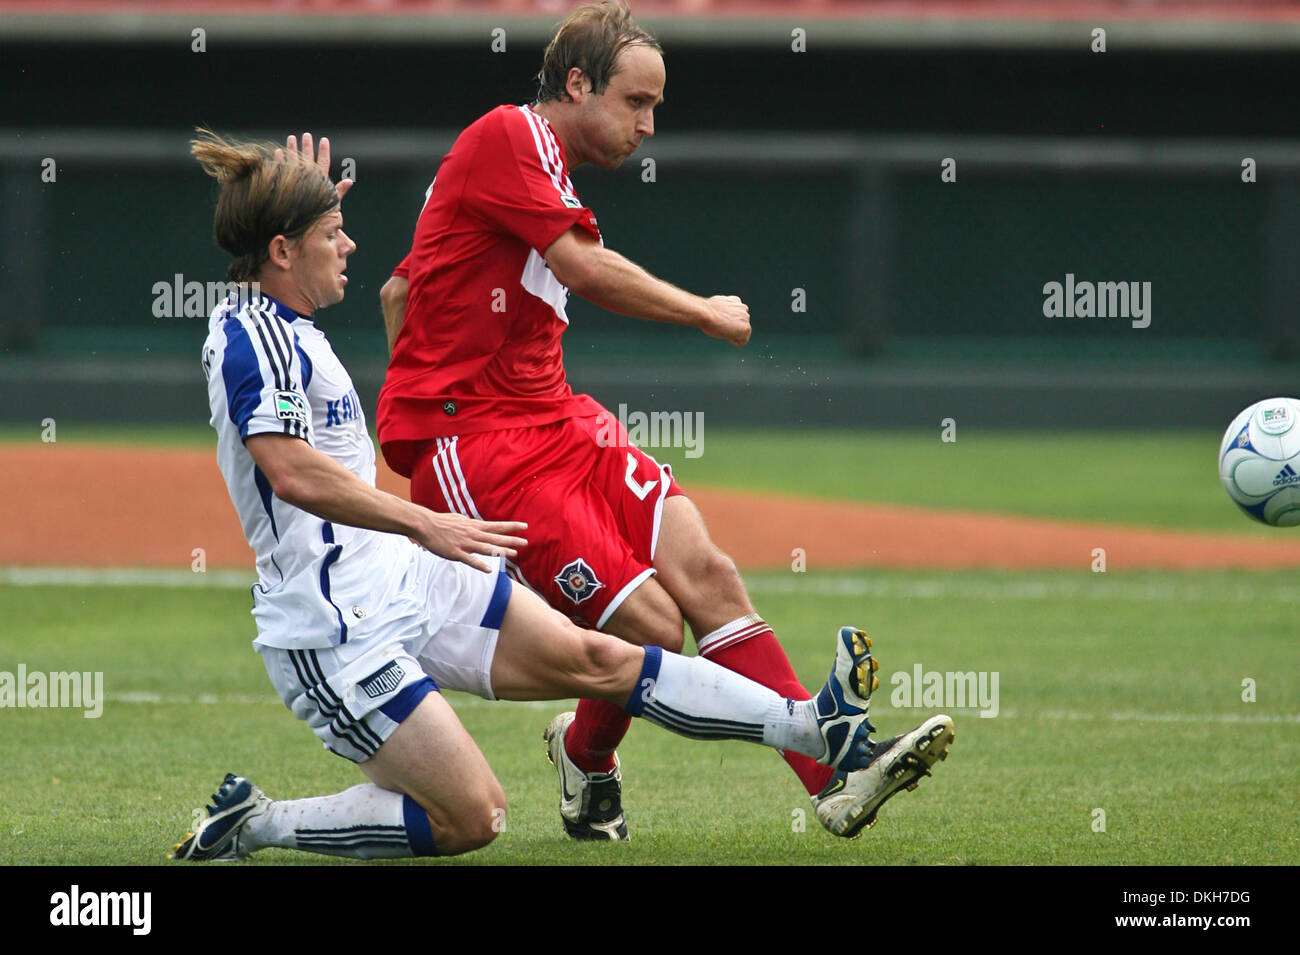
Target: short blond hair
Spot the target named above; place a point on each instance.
(590, 38)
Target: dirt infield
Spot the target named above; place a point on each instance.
(95, 506)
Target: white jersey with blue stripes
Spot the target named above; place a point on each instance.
(320, 584)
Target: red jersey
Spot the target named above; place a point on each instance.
(479, 349)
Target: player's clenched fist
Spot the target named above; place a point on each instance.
(457, 537)
(730, 319)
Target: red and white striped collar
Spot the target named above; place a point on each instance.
(549, 150)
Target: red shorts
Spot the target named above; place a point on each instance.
(592, 502)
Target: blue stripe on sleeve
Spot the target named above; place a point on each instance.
(242, 375)
(265, 493)
(304, 360)
(327, 536)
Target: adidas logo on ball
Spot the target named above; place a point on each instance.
(1286, 476)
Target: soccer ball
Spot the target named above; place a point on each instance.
(1259, 461)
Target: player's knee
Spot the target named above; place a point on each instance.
(720, 571)
(708, 583)
(476, 823)
(487, 826)
(601, 662)
(598, 664)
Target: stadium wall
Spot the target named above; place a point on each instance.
(774, 173)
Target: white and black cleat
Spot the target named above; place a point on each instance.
(850, 801)
(216, 838)
(591, 804)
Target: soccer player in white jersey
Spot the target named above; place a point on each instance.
(366, 604)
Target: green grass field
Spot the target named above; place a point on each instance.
(1117, 692)
(1122, 694)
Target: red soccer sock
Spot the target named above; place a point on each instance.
(594, 735)
(749, 647)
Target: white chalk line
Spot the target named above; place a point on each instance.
(124, 577)
(459, 701)
(925, 585)
(1132, 716)
(1087, 585)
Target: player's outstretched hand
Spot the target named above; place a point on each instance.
(321, 157)
(457, 537)
(730, 319)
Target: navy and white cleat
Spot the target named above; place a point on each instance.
(591, 804)
(841, 706)
(850, 801)
(216, 839)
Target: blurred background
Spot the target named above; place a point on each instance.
(798, 163)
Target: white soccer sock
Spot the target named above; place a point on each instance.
(694, 697)
(364, 822)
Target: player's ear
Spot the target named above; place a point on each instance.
(576, 84)
(278, 252)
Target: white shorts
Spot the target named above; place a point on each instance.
(354, 695)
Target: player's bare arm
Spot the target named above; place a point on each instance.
(618, 284)
(308, 479)
(613, 282)
(392, 301)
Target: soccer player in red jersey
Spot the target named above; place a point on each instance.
(476, 410)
